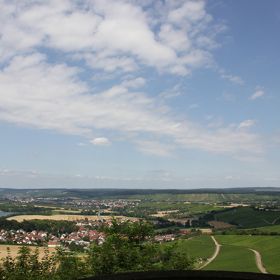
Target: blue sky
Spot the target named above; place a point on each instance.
(139, 94)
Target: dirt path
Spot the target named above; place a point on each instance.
(217, 250)
(259, 261)
(274, 221)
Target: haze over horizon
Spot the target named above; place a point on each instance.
(139, 94)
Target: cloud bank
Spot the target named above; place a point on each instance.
(50, 50)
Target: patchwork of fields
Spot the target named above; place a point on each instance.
(245, 238)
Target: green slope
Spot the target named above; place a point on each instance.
(268, 246)
(198, 247)
(234, 258)
(270, 229)
(247, 217)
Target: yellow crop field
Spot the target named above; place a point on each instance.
(66, 217)
(14, 250)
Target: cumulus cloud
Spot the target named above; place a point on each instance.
(259, 92)
(134, 83)
(100, 141)
(109, 36)
(52, 97)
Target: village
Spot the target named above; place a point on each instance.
(83, 237)
(74, 203)
(87, 232)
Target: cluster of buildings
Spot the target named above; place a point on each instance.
(83, 237)
(98, 203)
(164, 237)
(104, 204)
(77, 203)
(22, 237)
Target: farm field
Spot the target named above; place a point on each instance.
(14, 250)
(247, 217)
(234, 258)
(65, 217)
(201, 247)
(275, 229)
(268, 247)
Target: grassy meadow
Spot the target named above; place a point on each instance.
(198, 247)
(268, 246)
(234, 258)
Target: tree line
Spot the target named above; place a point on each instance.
(49, 226)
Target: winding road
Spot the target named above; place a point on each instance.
(217, 250)
(259, 261)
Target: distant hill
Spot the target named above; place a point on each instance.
(247, 217)
(90, 193)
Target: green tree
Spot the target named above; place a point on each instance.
(129, 247)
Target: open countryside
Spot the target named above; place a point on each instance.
(214, 231)
(267, 246)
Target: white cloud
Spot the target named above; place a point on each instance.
(259, 92)
(134, 83)
(110, 35)
(247, 124)
(234, 79)
(52, 97)
(190, 11)
(100, 141)
(171, 93)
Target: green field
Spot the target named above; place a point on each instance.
(268, 246)
(247, 217)
(198, 247)
(234, 258)
(270, 229)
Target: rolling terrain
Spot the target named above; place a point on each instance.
(234, 258)
(247, 217)
(267, 246)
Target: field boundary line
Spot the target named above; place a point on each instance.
(216, 253)
(259, 262)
